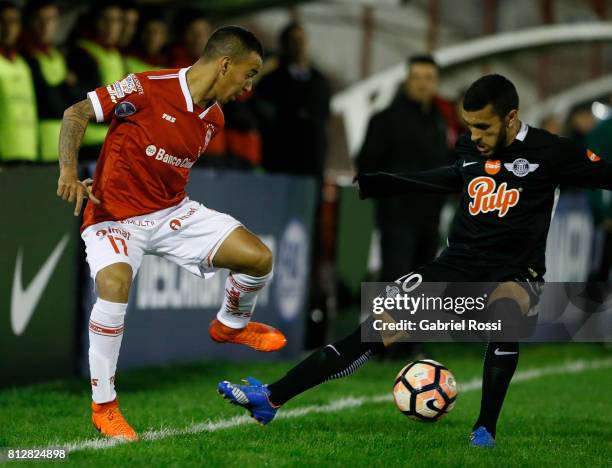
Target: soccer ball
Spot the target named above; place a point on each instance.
(425, 390)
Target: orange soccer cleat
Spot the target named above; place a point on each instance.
(107, 418)
(255, 335)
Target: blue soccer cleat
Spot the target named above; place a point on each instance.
(481, 438)
(253, 397)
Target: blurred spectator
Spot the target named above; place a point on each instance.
(54, 84)
(552, 124)
(409, 135)
(96, 60)
(580, 122)
(19, 129)
(600, 142)
(194, 31)
(296, 96)
(131, 16)
(150, 41)
(238, 145)
(449, 112)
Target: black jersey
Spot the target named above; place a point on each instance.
(506, 199)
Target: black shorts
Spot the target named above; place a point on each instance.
(457, 269)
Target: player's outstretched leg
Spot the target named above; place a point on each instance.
(334, 361)
(105, 335)
(250, 265)
(500, 363)
(501, 359)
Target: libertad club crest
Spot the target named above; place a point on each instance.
(520, 167)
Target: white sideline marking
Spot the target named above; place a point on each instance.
(571, 367)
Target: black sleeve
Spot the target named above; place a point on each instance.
(580, 167)
(447, 179)
(375, 147)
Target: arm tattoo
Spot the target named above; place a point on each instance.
(74, 124)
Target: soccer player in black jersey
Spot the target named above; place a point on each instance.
(507, 173)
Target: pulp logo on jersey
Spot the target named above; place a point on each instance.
(169, 118)
(520, 167)
(162, 156)
(592, 156)
(492, 167)
(487, 197)
(128, 85)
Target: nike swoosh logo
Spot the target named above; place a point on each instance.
(24, 301)
(469, 163)
(497, 352)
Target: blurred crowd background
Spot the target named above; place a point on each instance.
(52, 53)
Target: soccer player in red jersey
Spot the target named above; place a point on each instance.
(160, 123)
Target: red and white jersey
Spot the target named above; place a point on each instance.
(156, 134)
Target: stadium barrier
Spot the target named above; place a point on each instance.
(39, 271)
(42, 313)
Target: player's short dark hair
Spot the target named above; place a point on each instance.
(496, 90)
(422, 58)
(232, 41)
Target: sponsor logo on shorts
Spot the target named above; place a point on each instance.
(392, 291)
(139, 222)
(112, 230)
(492, 166)
(592, 156)
(520, 167)
(176, 224)
(487, 197)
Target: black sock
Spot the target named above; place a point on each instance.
(334, 361)
(499, 366)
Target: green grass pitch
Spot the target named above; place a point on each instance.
(558, 412)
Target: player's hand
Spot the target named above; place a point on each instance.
(73, 190)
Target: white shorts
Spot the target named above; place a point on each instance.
(188, 234)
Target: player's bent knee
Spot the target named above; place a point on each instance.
(113, 282)
(514, 291)
(261, 261)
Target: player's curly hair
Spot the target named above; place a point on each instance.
(232, 41)
(496, 90)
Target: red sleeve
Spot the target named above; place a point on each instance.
(105, 98)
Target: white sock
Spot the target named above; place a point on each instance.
(105, 335)
(240, 297)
